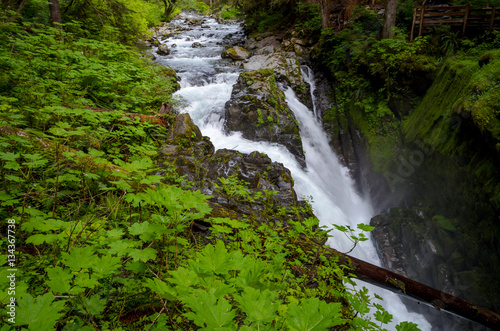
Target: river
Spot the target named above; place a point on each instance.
(206, 85)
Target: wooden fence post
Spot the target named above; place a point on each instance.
(421, 21)
(466, 18)
(492, 21)
(413, 22)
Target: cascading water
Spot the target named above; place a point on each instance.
(308, 76)
(206, 85)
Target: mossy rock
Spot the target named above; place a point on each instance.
(258, 109)
(236, 53)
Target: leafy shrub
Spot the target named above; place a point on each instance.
(123, 21)
(44, 71)
(194, 5)
(308, 18)
(229, 12)
(367, 69)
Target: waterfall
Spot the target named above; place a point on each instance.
(335, 201)
(308, 76)
(206, 85)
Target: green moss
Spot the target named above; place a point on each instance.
(260, 119)
(430, 120)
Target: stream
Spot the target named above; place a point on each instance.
(206, 85)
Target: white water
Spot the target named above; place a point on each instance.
(206, 86)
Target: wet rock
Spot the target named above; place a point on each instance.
(236, 53)
(205, 26)
(257, 108)
(287, 45)
(286, 66)
(297, 41)
(197, 45)
(299, 50)
(183, 128)
(259, 43)
(193, 157)
(193, 21)
(163, 50)
(429, 250)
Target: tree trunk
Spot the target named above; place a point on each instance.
(169, 6)
(390, 18)
(55, 12)
(408, 287)
(325, 14)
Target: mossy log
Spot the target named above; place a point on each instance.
(399, 284)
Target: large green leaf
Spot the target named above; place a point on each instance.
(313, 315)
(40, 313)
(215, 259)
(143, 255)
(120, 247)
(160, 287)
(80, 258)
(106, 266)
(59, 279)
(184, 277)
(208, 312)
(94, 305)
(38, 239)
(258, 306)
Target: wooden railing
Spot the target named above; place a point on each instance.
(460, 17)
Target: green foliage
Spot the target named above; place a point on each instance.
(113, 20)
(370, 73)
(476, 3)
(262, 16)
(194, 5)
(41, 313)
(232, 188)
(348, 231)
(308, 18)
(46, 72)
(230, 13)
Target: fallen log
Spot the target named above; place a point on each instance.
(402, 285)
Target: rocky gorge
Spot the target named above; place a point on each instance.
(413, 238)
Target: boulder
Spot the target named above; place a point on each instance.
(195, 163)
(299, 50)
(258, 109)
(287, 45)
(163, 50)
(286, 66)
(297, 41)
(236, 53)
(197, 45)
(193, 21)
(183, 128)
